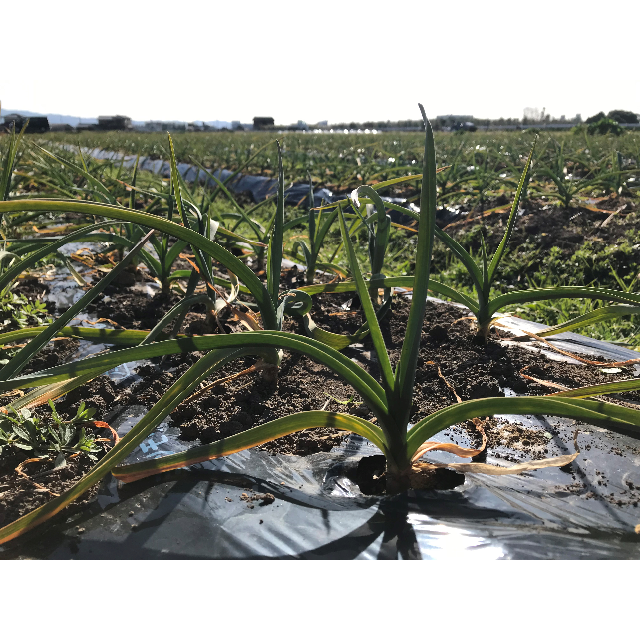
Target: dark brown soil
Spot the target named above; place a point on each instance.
(555, 225)
(33, 289)
(450, 353)
(473, 368)
(54, 353)
(132, 309)
(18, 494)
(57, 351)
(606, 223)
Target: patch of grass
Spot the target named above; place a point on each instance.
(528, 265)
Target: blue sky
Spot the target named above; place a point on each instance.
(336, 61)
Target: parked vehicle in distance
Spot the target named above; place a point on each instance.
(456, 123)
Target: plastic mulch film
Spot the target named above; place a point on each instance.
(259, 187)
(255, 504)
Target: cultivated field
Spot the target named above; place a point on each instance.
(107, 265)
(577, 224)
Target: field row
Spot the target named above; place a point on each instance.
(479, 161)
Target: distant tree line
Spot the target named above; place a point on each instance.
(618, 115)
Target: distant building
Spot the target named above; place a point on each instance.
(263, 123)
(114, 123)
(61, 126)
(37, 124)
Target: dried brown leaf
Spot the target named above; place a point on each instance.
(491, 470)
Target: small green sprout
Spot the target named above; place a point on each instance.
(343, 402)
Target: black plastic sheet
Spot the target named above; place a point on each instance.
(587, 511)
(259, 187)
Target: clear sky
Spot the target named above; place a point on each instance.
(329, 60)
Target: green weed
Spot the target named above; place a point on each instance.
(50, 436)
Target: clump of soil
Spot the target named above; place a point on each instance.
(100, 393)
(263, 499)
(33, 289)
(54, 353)
(132, 309)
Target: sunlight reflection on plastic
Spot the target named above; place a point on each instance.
(447, 543)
